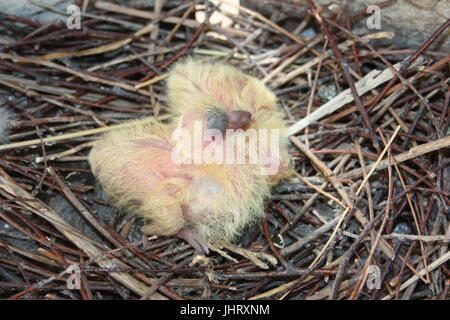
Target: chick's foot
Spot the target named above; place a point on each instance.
(194, 239)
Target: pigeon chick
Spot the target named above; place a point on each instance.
(202, 201)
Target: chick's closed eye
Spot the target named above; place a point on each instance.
(216, 118)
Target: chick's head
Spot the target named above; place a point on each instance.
(195, 85)
(223, 97)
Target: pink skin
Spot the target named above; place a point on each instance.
(187, 234)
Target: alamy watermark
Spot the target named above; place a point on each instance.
(212, 146)
(374, 21)
(373, 277)
(73, 22)
(74, 280)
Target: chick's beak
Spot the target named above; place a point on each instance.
(239, 119)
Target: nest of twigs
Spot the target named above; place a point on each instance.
(366, 217)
